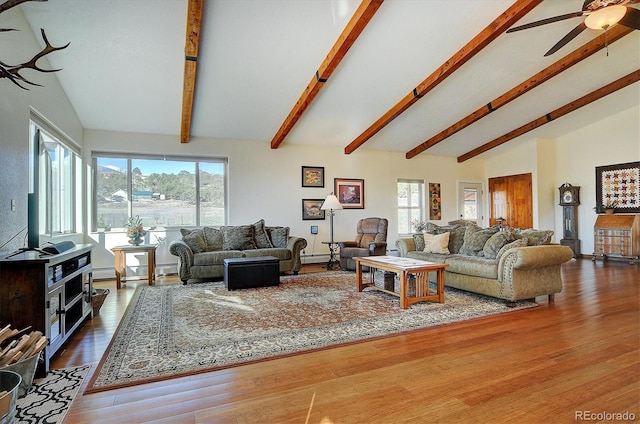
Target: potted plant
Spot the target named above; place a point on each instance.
(607, 207)
(135, 231)
(418, 225)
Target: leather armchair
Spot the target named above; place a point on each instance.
(371, 240)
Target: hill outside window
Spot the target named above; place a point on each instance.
(163, 191)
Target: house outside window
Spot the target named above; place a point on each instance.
(163, 191)
(411, 204)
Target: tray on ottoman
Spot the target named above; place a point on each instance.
(244, 273)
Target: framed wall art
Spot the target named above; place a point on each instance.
(350, 192)
(311, 209)
(312, 176)
(435, 210)
(619, 185)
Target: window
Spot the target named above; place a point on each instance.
(164, 191)
(410, 204)
(58, 171)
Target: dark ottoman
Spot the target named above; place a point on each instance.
(244, 273)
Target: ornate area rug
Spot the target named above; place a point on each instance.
(176, 330)
(49, 398)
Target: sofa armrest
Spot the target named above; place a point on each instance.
(296, 244)
(405, 245)
(531, 257)
(185, 258)
(526, 272)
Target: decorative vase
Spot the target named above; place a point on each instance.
(609, 211)
(136, 241)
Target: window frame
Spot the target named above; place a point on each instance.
(406, 210)
(130, 157)
(68, 195)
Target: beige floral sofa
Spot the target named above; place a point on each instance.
(201, 251)
(506, 264)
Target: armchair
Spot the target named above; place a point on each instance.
(371, 240)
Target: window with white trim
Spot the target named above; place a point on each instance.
(164, 191)
(411, 205)
(58, 186)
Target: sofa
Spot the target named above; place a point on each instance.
(503, 263)
(201, 251)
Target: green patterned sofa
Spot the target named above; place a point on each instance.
(508, 264)
(201, 251)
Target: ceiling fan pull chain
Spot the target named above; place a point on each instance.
(606, 40)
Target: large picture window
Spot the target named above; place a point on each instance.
(163, 191)
(410, 204)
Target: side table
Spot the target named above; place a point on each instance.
(120, 253)
(333, 263)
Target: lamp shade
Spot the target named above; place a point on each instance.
(331, 203)
(604, 18)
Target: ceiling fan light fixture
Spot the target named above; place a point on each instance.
(605, 17)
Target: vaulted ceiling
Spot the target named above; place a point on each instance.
(400, 75)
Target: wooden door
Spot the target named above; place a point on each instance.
(512, 200)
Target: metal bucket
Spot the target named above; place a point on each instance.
(27, 369)
(9, 384)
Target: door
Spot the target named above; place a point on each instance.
(470, 202)
(511, 201)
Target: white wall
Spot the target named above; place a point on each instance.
(608, 141)
(266, 183)
(15, 105)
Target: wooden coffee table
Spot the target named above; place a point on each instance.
(403, 267)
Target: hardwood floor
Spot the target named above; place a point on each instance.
(578, 355)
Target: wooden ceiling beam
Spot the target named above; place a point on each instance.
(569, 107)
(194, 23)
(352, 31)
(503, 22)
(561, 65)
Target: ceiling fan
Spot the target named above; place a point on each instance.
(600, 14)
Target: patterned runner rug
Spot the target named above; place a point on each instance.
(49, 398)
(176, 330)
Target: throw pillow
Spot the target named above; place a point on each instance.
(436, 243)
(475, 239)
(456, 239)
(494, 244)
(536, 237)
(194, 239)
(260, 236)
(238, 237)
(214, 238)
(516, 243)
(418, 239)
(279, 236)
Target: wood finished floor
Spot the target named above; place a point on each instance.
(580, 353)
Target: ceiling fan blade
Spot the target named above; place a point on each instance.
(631, 19)
(572, 34)
(546, 21)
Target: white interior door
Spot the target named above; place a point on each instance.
(470, 201)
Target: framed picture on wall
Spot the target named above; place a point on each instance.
(311, 209)
(312, 176)
(619, 185)
(350, 192)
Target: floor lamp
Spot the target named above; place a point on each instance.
(331, 204)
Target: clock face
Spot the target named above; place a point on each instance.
(567, 197)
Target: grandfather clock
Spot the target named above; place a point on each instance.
(569, 200)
